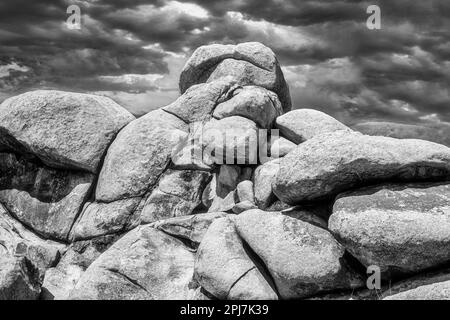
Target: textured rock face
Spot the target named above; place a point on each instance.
(438, 133)
(99, 219)
(139, 155)
(254, 103)
(261, 67)
(231, 140)
(16, 240)
(224, 268)
(19, 279)
(331, 163)
(404, 228)
(191, 228)
(178, 194)
(302, 258)
(95, 204)
(198, 103)
(265, 176)
(63, 129)
(303, 124)
(47, 200)
(146, 264)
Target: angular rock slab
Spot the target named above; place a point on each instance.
(16, 240)
(260, 58)
(399, 228)
(331, 163)
(19, 279)
(64, 129)
(178, 194)
(302, 259)
(145, 264)
(224, 269)
(303, 124)
(139, 155)
(255, 103)
(45, 199)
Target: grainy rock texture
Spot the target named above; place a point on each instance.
(303, 124)
(330, 163)
(95, 204)
(403, 228)
(439, 133)
(261, 63)
(63, 129)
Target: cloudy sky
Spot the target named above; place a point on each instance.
(133, 51)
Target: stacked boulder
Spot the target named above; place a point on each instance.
(223, 194)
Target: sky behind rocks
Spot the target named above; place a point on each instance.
(134, 50)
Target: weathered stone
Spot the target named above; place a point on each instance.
(145, 264)
(224, 269)
(229, 178)
(191, 228)
(64, 129)
(400, 228)
(178, 194)
(439, 133)
(232, 140)
(99, 219)
(303, 124)
(435, 291)
(260, 60)
(198, 103)
(19, 279)
(331, 163)
(277, 147)
(244, 191)
(302, 258)
(264, 176)
(16, 240)
(255, 103)
(139, 155)
(47, 200)
(244, 206)
(430, 286)
(61, 280)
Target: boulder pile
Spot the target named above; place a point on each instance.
(224, 194)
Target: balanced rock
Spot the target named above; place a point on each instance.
(64, 129)
(224, 269)
(303, 124)
(331, 163)
(261, 67)
(399, 228)
(302, 259)
(139, 155)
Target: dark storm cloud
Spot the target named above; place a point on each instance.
(332, 61)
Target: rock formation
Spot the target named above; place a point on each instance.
(224, 194)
